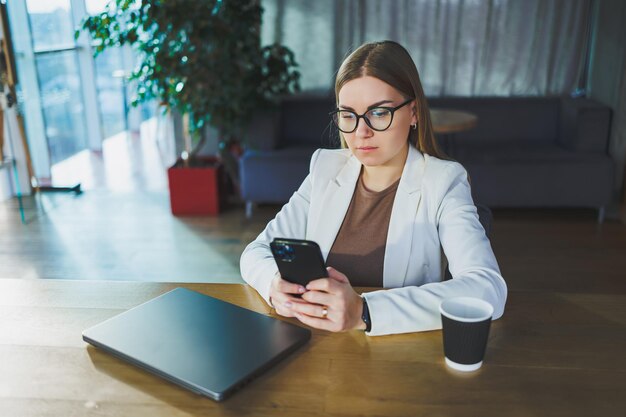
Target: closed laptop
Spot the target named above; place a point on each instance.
(199, 342)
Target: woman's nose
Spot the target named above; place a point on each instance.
(363, 130)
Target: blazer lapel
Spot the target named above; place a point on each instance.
(335, 202)
(401, 223)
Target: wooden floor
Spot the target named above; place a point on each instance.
(122, 229)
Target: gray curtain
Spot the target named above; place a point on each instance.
(460, 47)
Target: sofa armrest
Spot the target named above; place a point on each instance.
(585, 125)
(262, 132)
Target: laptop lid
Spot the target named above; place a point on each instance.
(201, 343)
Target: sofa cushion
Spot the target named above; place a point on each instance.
(273, 176)
(262, 132)
(506, 152)
(585, 125)
(522, 174)
(507, 119)
(305, 121)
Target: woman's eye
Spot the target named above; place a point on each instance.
(379, 113)
(347, 115)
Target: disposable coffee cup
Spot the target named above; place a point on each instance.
(466, 322)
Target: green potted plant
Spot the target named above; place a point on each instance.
(204, 59)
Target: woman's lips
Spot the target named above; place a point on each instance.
(367, 148)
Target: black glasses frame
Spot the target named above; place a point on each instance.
(364, 117)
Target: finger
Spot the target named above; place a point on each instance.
(285, 300)
(319, 297)
(285, 312)
(315, 322)
(284, 305)
(336, 275)
(313, 310)
(289, 287)
(278, 304)
(322, 284)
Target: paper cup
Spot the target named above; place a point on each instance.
(466, 322)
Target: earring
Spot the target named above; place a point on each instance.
(414, 126)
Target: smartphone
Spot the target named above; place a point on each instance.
(299, 261)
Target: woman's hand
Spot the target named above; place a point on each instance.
(282, 295)
(332, 304)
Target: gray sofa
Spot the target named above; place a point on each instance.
(279, 148)
(524, 151)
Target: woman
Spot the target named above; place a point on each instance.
(381, 209)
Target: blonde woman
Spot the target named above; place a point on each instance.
(381, 209)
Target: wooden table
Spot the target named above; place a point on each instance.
(447, 121)
(553, 354)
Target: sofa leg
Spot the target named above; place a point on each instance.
(601, 214)
(249, 206)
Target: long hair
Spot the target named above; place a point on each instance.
(390, 62)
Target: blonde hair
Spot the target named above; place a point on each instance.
(390, 62)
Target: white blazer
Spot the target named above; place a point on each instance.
(433, 209)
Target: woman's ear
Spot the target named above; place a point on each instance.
(414, 112)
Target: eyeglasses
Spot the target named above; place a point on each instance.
(378, 118)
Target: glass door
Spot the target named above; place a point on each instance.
(56, 60)
(55, 73)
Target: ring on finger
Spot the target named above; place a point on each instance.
(324, 312)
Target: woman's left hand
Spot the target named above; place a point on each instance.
(335, 306)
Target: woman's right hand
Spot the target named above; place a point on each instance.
(282, 295)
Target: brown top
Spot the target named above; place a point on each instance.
(359, 248)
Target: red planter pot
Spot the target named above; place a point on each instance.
(196, 190)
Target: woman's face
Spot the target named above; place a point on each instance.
(373, 148)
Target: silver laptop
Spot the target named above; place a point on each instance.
(206, 345)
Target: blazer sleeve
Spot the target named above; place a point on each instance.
(471, 260)
(257, 264)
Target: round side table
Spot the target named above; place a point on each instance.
(447, 122)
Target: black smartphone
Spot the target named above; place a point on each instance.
(299, 261)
